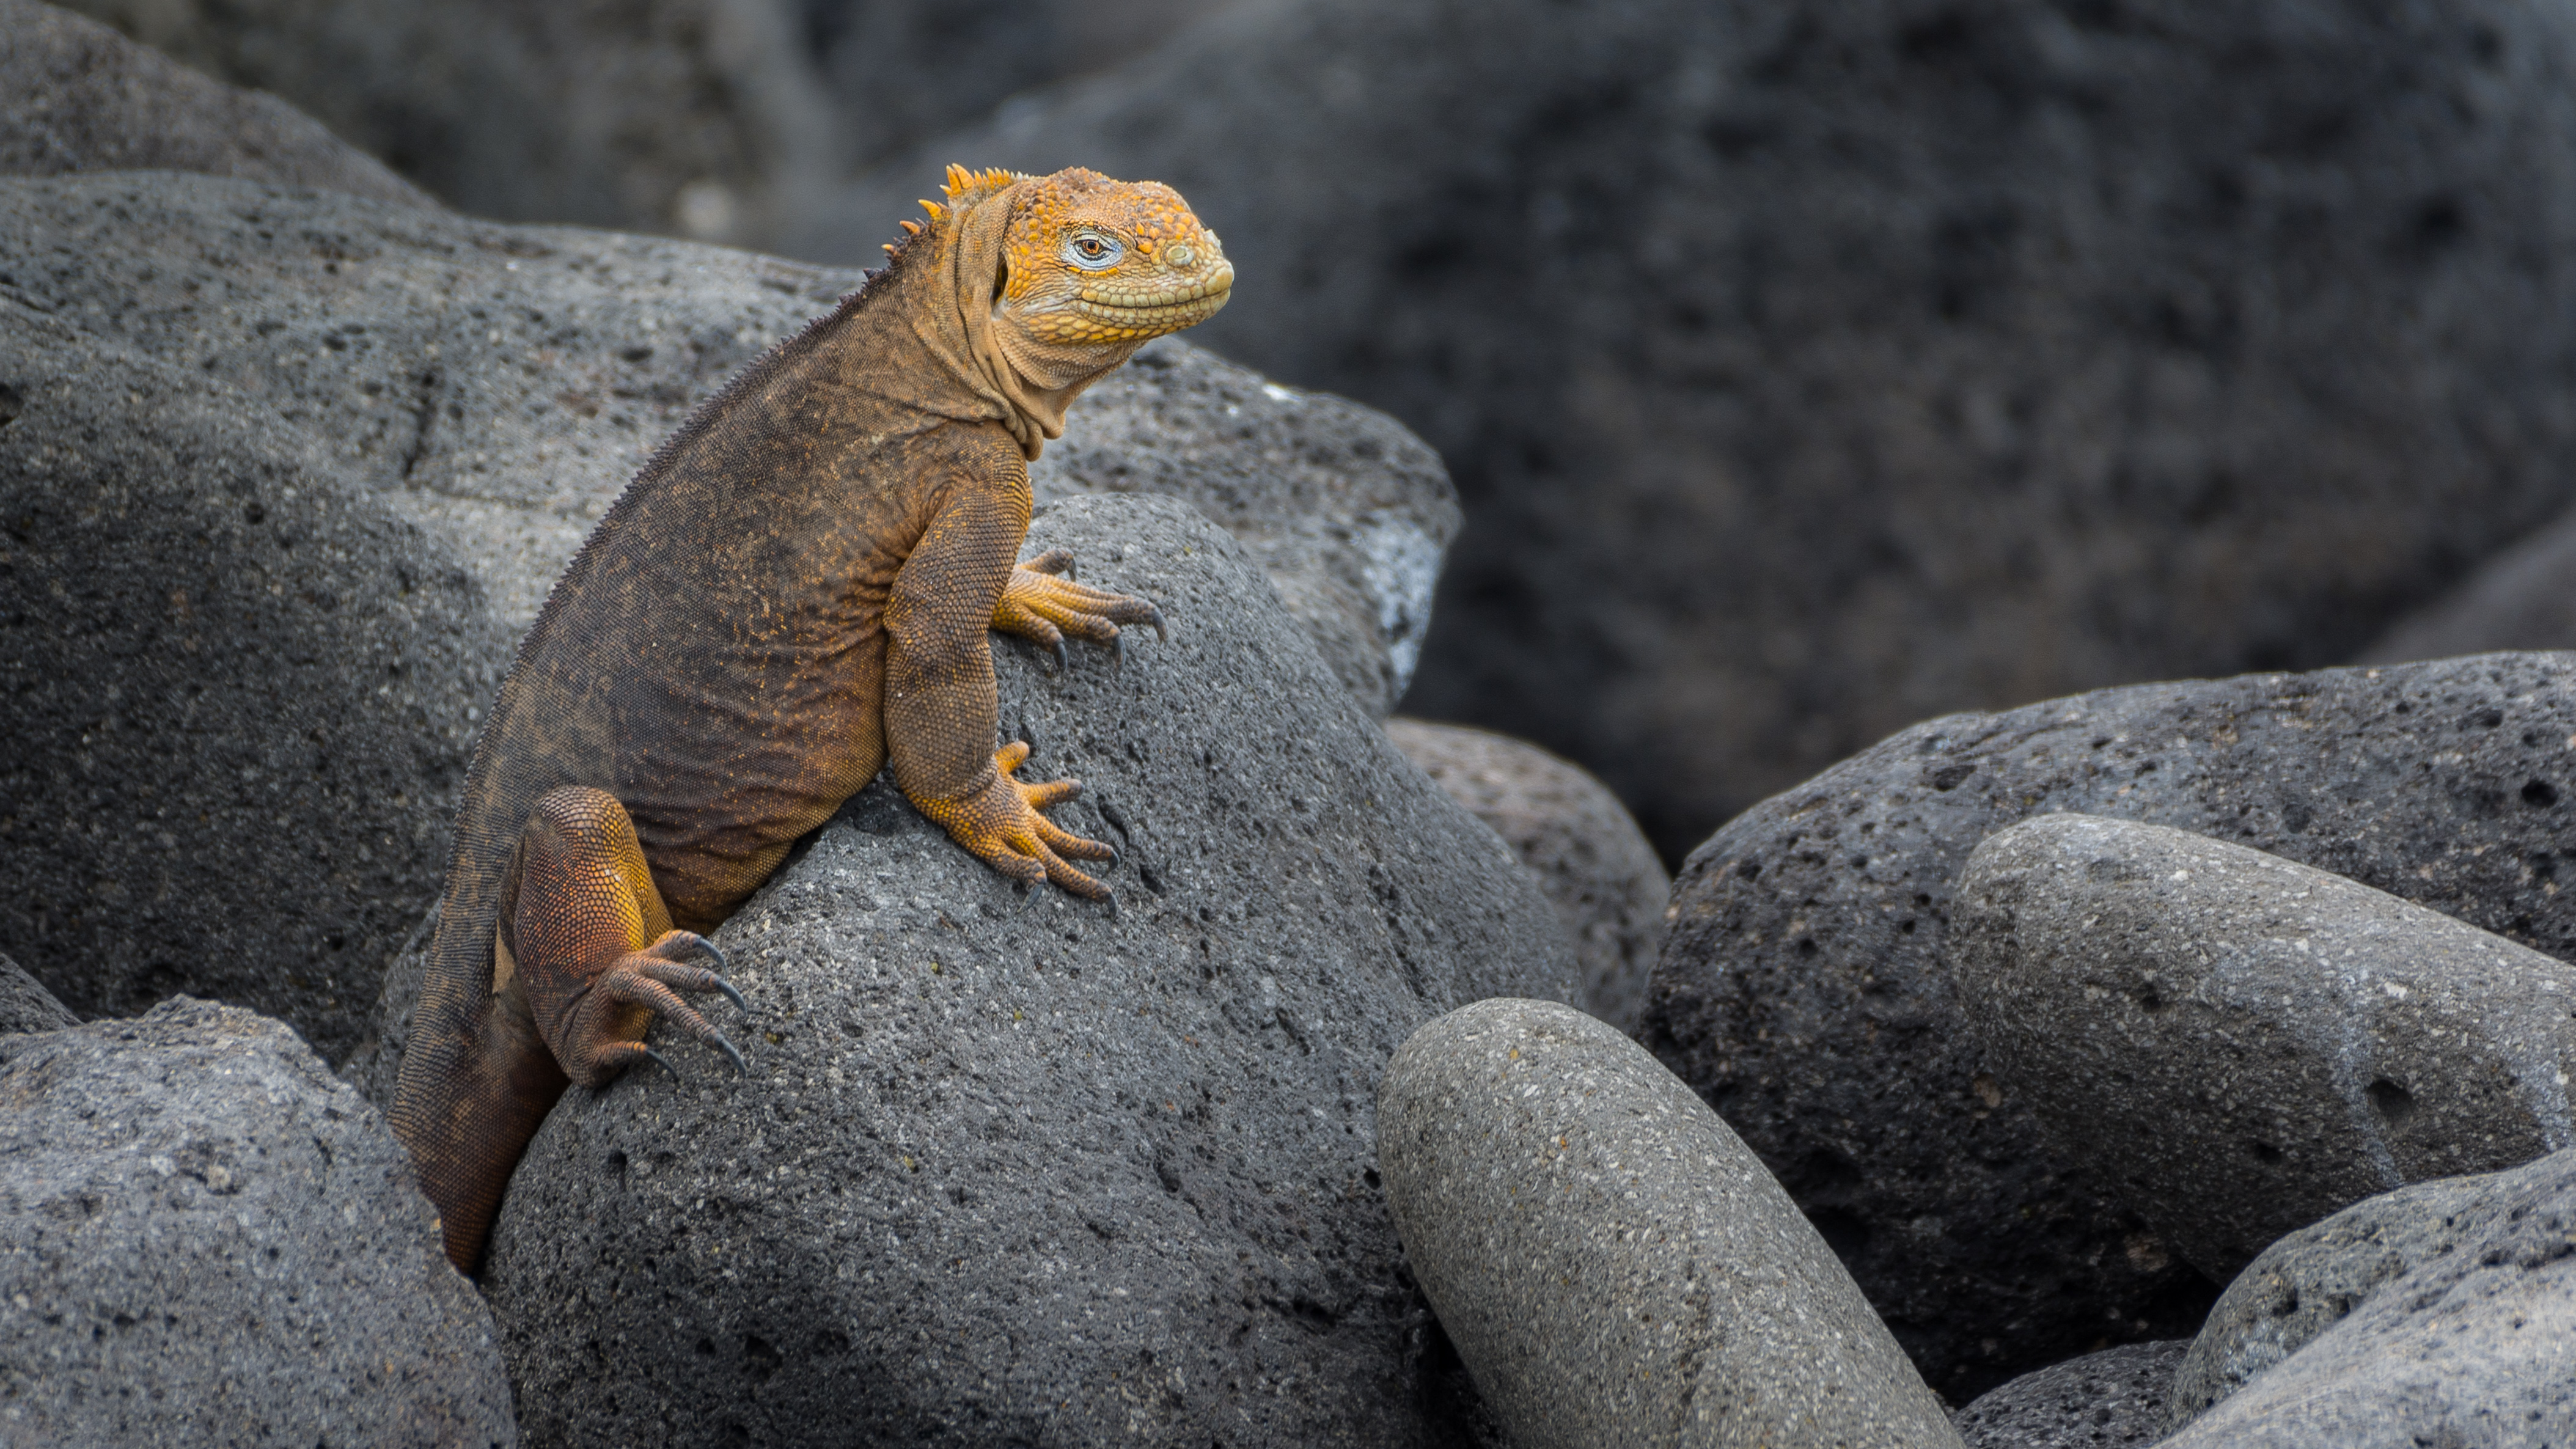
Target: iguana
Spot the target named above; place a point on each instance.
(794, 591)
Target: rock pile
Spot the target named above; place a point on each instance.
(1804, 992)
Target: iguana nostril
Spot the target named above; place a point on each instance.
(1180, 255)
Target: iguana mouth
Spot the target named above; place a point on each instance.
(1157, 309)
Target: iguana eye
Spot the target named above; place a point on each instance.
(1091, 251)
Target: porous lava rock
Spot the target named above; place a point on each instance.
(1802, 992)
(1612, 1264)
(1575, 836)
(206, 1238)
(25, 1004)
(2436, 1314)
(2243, 1044)
(241, 696)
(1811, 369)
(1010, 1166)
(2104, 1400)
(84, 98)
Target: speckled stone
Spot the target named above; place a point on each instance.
(206, 1239)
(2104, 1400)
(1613, 1265)
(25, 1004)
(1010, 1167)
(2441, 1314)
(1575, 836)
(2239, 1044)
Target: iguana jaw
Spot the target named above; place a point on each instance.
(1098, 314)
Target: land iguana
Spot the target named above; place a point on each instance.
(794, 591)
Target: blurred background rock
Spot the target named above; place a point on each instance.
(1806, 369)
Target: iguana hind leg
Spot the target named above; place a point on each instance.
(1041, 602)
(591, 943)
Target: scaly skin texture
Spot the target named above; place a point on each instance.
(795, 591)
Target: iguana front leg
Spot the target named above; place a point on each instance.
(1042, 602)
(940, 705)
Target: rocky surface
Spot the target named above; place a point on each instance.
(25, 1004)
(2522, 598)
(2437, 1314)
(241, 696)
(1613, 1265)
(2100, 1401)
(84, 98)
(680, 116)
(210, 1240)
(1575, 836)
(2238, 1045)
(1013, 1167)
(1802, 373)
(1801, 990)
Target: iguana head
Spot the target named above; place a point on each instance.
(1090, 269)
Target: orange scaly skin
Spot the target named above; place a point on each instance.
(793, 593)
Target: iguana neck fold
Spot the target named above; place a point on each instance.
(966, 248)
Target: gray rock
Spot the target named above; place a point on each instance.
(2438, 1314)
(499, 385)
(84, 98)
(25, 1004)
(241, 697)
(1613, 1265)
(1575, 836)
(682, 116)
(2522, 598)
(2240, 1044)
(209, 1240)
(1801, 990)
(1347, 512)
(1010, 1168)
(2105, 1399)
(1811, 369)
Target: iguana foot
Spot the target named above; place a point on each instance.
(1043, 603)
(579, 910)
(1000, 826)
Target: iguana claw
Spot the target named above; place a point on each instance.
(1041, 602)
(999, 824)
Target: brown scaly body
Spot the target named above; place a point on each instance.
(794, 591)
